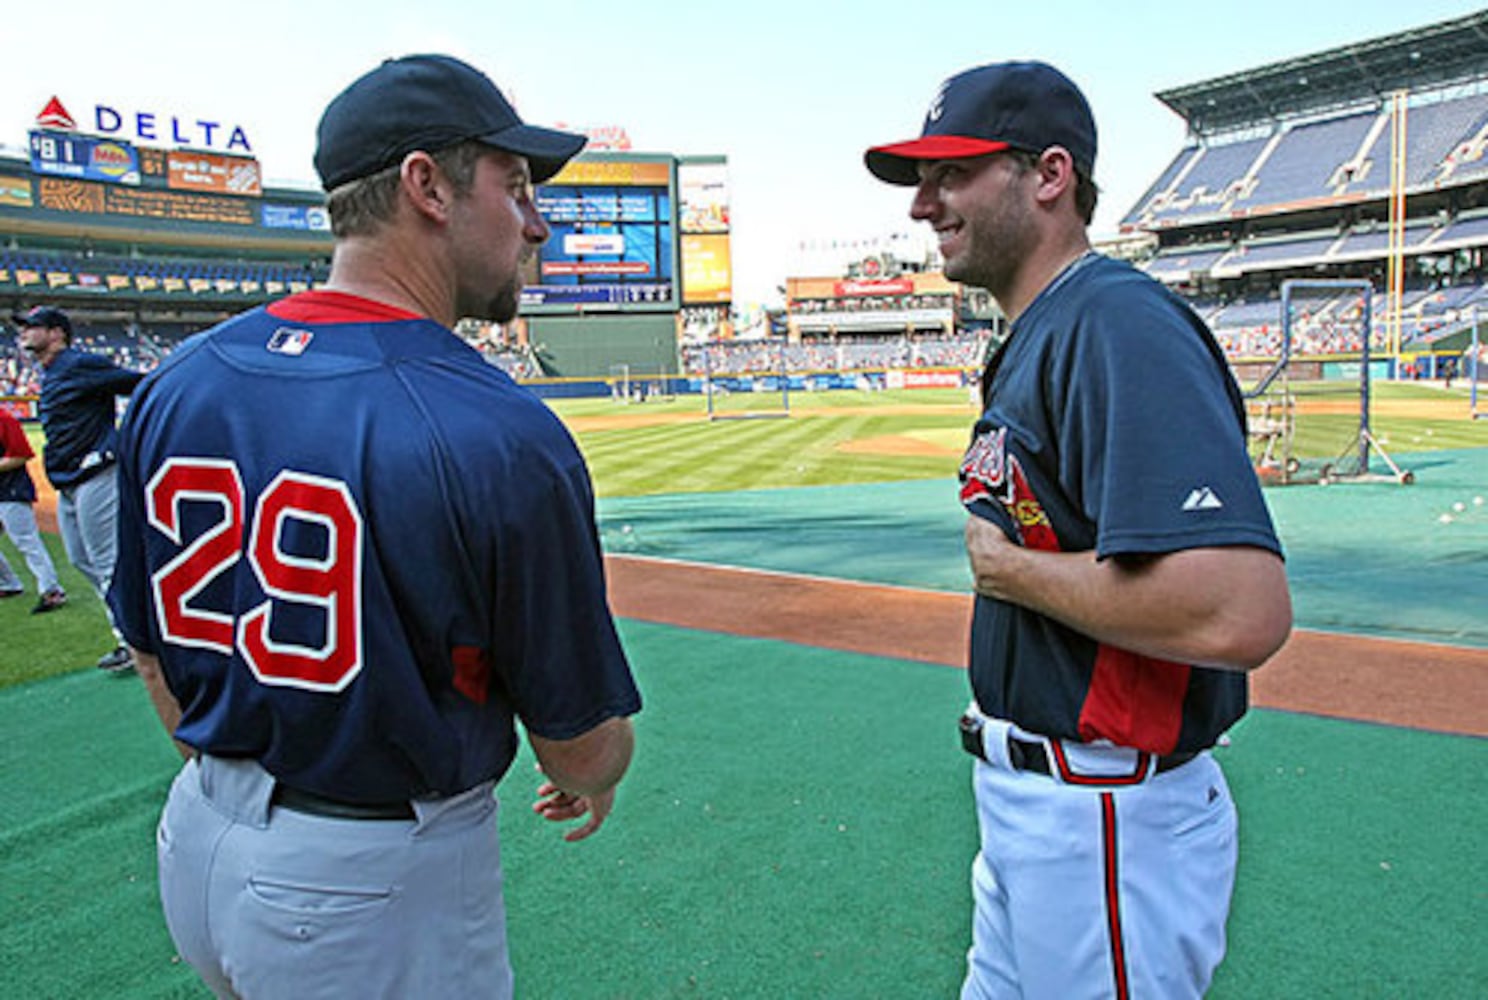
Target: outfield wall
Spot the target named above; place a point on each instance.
(645, 386)
(590, 346)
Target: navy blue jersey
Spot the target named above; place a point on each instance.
(1112, 424)
(360, 552)
(78, 414)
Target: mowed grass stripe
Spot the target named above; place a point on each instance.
(708, 457)
(729, 455)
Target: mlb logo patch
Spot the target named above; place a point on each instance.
(286, 340)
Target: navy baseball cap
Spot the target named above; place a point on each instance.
(427, 102)
(989, 109)
(43, 316)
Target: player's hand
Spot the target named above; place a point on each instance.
(557, 806)
(990, 551)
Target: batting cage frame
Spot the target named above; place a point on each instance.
(1475, 369)
(628, 386)
(1273, 401)
(620, 383)
(750, 379)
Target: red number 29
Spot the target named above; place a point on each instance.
(331, 582)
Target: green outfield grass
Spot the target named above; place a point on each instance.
(674, 448)
(72, 637)
(1328, 435)
(812, 447)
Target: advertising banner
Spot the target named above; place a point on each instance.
(703, 197)
(707, 269)
(944, 378)
(303, 217)
(853, 289)
(614, 173)
(214, 172)
(576, 244)
(63, 154)
(15, 192)
(176, 206)
(21, 409)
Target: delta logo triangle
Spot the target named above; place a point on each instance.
(1202, 498)
(54, 115)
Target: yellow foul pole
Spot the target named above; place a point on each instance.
(1395, 292)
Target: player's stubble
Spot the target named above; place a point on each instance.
(999, 235)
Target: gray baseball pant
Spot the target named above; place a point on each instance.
(18, 520)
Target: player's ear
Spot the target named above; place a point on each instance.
(425, 185)
(1056, 173)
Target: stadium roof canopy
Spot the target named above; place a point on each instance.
(1434, 57)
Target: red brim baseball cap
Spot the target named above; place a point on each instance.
(990, 109)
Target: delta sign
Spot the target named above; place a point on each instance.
(151, 127)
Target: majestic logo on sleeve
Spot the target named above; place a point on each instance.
(1202, 498)
(989, 472)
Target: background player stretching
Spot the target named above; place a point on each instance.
(352, 554)
(1126, 568)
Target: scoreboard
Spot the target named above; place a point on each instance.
(613, 243)
(65, 154)
(83, 179)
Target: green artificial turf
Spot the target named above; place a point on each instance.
(797, 823)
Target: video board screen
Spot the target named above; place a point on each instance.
(64, 154)
(707, 270)
(707, 267)
(613, 240)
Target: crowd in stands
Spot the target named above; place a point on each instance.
(847, 352)
(18, 376)
(127, 344)
(502, 348)
(142, 348)
(1334, 325)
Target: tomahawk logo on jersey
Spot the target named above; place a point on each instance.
(992, 479)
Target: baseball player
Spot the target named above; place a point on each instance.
(18, 520)
(1126, 569)
(79, 392)
(353, 556)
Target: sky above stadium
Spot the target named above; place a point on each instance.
(791, 91)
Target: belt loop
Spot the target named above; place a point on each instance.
(1054, 754)
(238, 787)
(993, 735)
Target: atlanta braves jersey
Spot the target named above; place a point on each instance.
(360, 552)
(1112, 424)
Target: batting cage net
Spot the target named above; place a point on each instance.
(745, 379)
(629, 385)
(1307, 382)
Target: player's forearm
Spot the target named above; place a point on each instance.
(590, 764)
(166, 705)
(11, 464)
(1223, 607)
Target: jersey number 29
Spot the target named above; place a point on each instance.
(331, 582)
